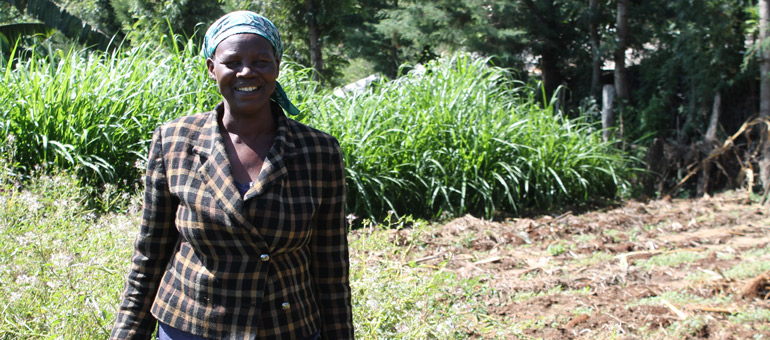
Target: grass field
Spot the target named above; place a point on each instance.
(62, 268)
(460, 137)
(658, 270)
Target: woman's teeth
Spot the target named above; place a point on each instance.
(247, 89)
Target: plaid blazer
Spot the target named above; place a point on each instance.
(271, 265)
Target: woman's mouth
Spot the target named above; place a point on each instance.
(247, 89)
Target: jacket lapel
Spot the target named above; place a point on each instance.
(274, 167)
(216, 171)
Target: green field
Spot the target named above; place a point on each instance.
(62, 269)
(461, 137)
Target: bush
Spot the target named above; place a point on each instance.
(462, 137)
(459, 137)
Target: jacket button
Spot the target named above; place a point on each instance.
(286, 306)
(264, 257)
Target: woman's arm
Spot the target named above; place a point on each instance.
(329, 246)
(153, 247)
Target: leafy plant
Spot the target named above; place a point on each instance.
(458, 137)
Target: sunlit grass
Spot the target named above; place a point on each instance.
(671, 260)
(94, 112)
(460, 137)
(463, 137)
(61, 265)
(680, 298)
(62, 269)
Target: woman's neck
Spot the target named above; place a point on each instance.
(251, 126)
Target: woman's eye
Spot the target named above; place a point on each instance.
(231, 63)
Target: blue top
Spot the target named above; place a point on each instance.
(243, 187)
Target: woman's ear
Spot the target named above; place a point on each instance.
(210, 67)
(277, 66)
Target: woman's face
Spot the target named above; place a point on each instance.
(245, 68)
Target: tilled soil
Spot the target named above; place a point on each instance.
(670, 268)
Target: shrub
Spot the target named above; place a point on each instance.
(459, 137)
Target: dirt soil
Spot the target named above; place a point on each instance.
(664, 269)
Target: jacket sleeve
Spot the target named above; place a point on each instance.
(329, 246)
(152, 250)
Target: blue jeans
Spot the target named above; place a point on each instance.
(166, 332)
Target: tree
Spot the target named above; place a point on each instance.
(188, 18)
(690, 50)
(596, 54)
(408, 32)
(556, 33)
(314, 38)
(764, 58)
(366, 41)
(621, 76)
(53, 16)
(312, 30)
(417, 31)
(764, 97)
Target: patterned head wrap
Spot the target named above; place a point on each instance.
(240, 22)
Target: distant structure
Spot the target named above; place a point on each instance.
(358, 87)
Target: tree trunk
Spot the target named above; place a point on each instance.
(716, 111)
(316, 57)
(764, 92)
(395, 63)
(621, 78)
(596, 61)
(764, 61)
(608, 116)
(709, 143)
(551, 77)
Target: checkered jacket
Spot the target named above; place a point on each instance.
(271, 265)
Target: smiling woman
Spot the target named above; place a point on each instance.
(245, 68)
(243, 234)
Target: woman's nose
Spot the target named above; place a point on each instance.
(247, 70)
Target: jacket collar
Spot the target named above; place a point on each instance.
(216, 170)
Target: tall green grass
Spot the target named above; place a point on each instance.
(460, 137)
(94, 112)
(463, 137)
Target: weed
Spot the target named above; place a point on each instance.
(670, 260)
(583, 238)
(557, 248)
(752, 315)
(615, 234)
(679, 298)
(747, 269)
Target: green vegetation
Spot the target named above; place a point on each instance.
(460, 137)
(671, 260)
(94, 113)
(395, 300)
(751, 266)
(557, 248)
(680, 298)
(62, 268)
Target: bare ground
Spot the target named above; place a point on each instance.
(664, 269)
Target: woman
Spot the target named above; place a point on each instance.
(243, 233)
